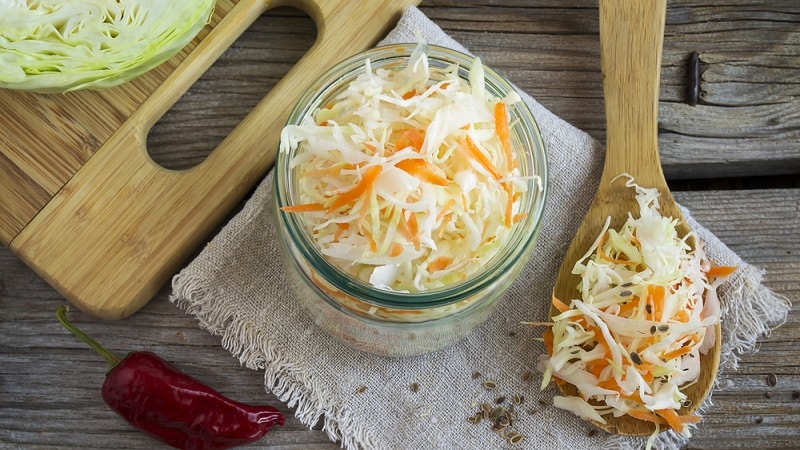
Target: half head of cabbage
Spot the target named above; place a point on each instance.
(50, 46)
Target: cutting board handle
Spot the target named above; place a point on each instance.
(122, 225)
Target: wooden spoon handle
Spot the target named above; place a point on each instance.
(631, 38)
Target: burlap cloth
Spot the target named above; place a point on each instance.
(236, 289)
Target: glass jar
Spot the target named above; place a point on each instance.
(392, 323)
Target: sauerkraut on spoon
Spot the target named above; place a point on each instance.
(631, 341)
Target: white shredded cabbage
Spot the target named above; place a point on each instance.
(646, 312)
(403, 179)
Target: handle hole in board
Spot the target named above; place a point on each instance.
(240, 78)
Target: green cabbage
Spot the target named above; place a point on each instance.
(51, 46)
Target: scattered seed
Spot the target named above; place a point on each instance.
(768, 394)
(489, 385)
(500, 399)
(625, 293)
(414, 387)
(653, 329)
(514, 438)
(476, 375)
(772, 380)
(591, 432)
(543, 402)
(496, 412)
(486, 407)
(518, 399)
(512, 333)
(532, 411)
(636, 359)
(649, 308)
(628, 284)
(795, 395)
(687, 403)
(759, 419)
(503, 421)
(474, 419)
(361, 389)
(527, 375)
(497, 428)
(663, 328)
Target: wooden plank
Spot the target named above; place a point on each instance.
(50, 381)
(750, 60)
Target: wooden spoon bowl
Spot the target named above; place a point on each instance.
(631, 38)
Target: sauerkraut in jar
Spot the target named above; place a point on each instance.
(410, 180)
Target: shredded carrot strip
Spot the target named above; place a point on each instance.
(340, 229)
(656, 294)
(369, 177)
(720, 271)
(501, 125)
(676, 353)
(395, 249)
(509, 204)
(471, 149)
(415, 138)
(305, 207)
(445, 209)
(547, 336)
(410, 230)
(561, 306)
(423, 170)
(439, 263)
(520, 216)
(672, 418)
(646, 416)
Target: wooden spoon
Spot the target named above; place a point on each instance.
(631, 38)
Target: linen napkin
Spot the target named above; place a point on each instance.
(236, 289)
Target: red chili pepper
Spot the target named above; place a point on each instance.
(173, 407)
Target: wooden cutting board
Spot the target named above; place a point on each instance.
(85, 206)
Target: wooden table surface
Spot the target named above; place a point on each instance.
(734, 160)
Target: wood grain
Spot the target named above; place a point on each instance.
(49, 380)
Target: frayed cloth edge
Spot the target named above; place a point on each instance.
(291, 384)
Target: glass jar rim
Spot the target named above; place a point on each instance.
(522, 237)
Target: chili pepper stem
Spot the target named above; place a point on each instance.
(61, 313)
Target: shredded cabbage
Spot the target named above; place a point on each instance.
(51, 46)
(646, 311)
(407, 179)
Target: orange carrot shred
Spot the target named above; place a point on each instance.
(423, 170)
(676, 353)
(395, 249)
(439, 263)
(509, 211)
(561, 306)
(369, 177)
(672, 418)
(646, 416)
(471, 149)
(305, 207)
(501, 124)
(720, 271)
(548, 337)
(415, 138)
